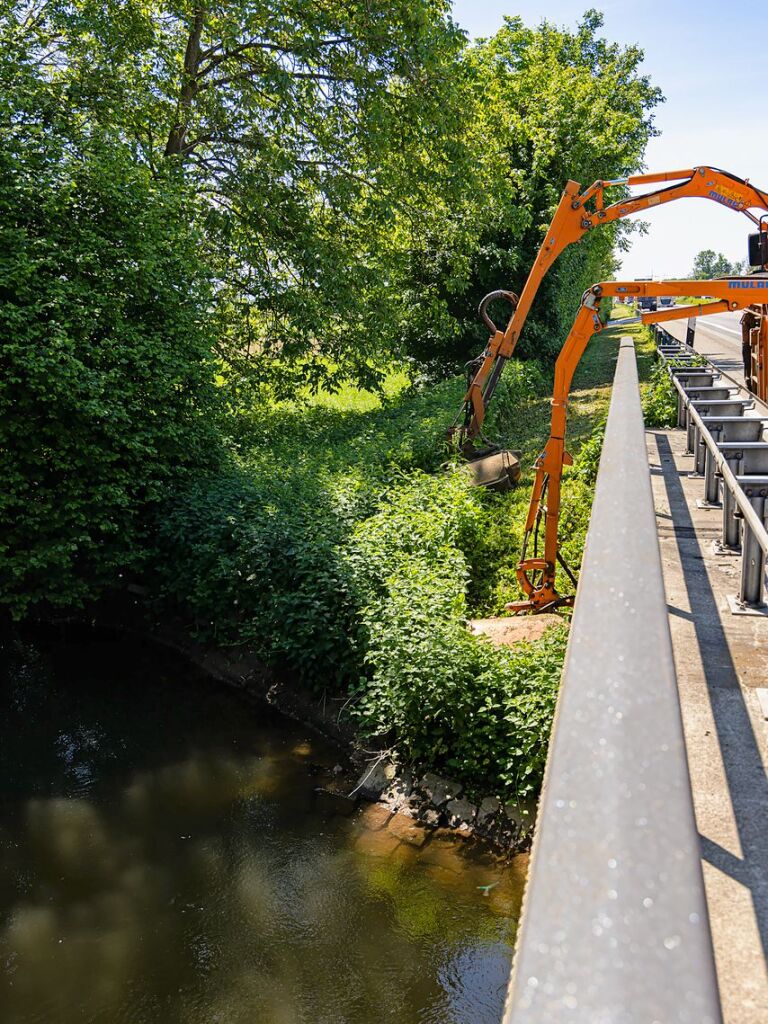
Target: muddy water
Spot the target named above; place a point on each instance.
(164, 857)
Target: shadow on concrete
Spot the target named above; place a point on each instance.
(727, 364)
(745, 775)
(679, 613)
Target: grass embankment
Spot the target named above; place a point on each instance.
(343, 546)
(621, 309)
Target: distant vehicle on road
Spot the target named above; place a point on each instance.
(666, 300)
(647, 302)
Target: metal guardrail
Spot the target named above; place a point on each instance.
(731, 458)
(615, 927)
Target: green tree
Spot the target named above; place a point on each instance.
(187, 191)
(550, 105)
(322, 136)
(709, 264)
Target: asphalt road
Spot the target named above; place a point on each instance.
(718, 337)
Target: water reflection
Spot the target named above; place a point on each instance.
(165, 859)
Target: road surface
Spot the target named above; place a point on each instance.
(718, 337)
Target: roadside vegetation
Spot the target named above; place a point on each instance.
(659, 395)
(240, 252)
(342, 544)
(660, 400)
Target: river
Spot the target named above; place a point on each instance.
(165, 859)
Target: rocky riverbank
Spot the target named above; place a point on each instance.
(430, 803)
(437, 802)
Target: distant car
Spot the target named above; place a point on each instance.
(647, 302)
(666, 300)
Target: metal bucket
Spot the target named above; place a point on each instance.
(497, 470)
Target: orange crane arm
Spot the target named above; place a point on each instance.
(536, 575)
(576, 214)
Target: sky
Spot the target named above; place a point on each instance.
(706, 58)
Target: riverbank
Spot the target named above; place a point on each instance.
(344, 549)
(409, 805)
(334, 573)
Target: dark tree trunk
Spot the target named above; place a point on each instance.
(177, 135)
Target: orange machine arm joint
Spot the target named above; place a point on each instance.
(573, 218)
(537, 574)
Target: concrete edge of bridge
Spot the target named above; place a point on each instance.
(614, 924)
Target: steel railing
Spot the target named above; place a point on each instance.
(735, 466)
(614, 927)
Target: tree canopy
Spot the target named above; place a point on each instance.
(317, 133)
(709, 264)
(367, 174)
(550, 105)
(200, 199)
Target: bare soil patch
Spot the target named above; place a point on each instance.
(509, 630)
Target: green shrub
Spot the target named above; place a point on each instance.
(268, 557)
(449, 698)
(105, 370)
(587, 463)
(660, 399)
(522, 381)
(257, 560)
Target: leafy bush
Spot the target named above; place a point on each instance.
(588, 462)
(447, 697)
(380, 604)
(660, 399)
(259, 553)
(105, 369)
(256, 559)
(522, 381)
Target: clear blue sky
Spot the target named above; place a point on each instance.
(709, 59)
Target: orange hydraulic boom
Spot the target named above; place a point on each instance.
(576, 214)
(536, 574)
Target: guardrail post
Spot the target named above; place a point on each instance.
(690, 334)
(752, 557)
(690, 434)
(711, 480)
(681, 410)
(699, 462)
(731, 535)
(614, 924)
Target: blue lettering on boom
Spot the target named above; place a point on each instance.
(724, 200)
